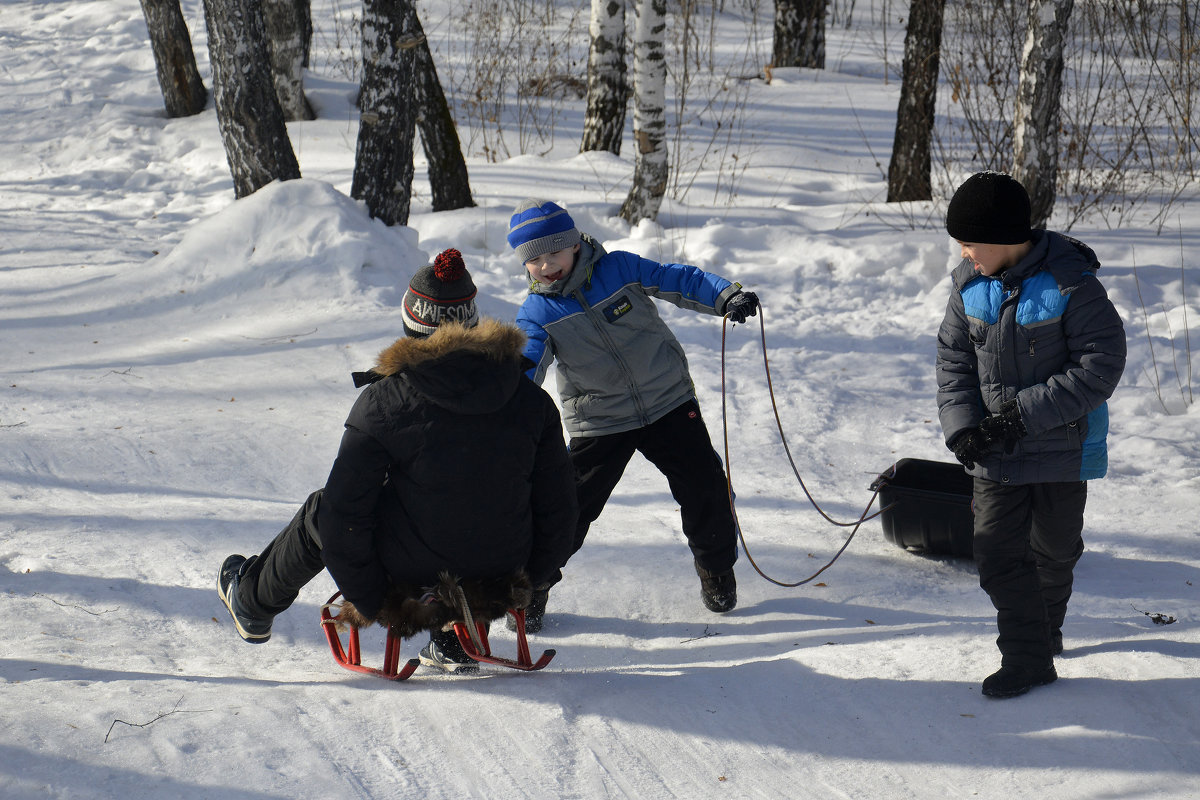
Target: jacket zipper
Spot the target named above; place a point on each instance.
(612, 348)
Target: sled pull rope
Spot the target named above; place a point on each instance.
(783, 438)
(468, 618)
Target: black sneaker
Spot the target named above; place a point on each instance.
(445, 653)
(718, 590)
(1014, 681)
(252, 629)
(535, 613)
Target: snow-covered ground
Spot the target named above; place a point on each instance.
(176, 374)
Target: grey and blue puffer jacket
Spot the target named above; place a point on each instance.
(1043, 332)
(619, 366)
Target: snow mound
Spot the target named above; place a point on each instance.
(295, 241)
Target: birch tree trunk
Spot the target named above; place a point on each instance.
(799, 33)
(607, 91)
(383, 164)
(174, 60)
(252, 127)
(909, 172)
(450, 187)
(649, 113)
(287, 24)
(1036, 123)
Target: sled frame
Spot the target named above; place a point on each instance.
(477, 647)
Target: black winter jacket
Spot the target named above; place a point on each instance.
(453, 461)
(1044, 333)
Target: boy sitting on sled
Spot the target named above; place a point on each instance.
(452, 472)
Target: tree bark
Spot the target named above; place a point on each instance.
(650, 169)
(607, 91)
(909, 172)
(383, 166)
(175, 62)
(252, 126)
(1039, 90)
(449, 184)
(799, 33)
(285, 23)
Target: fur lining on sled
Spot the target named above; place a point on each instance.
(411, 609)
(500, 341)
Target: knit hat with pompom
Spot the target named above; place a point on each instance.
(440, 292)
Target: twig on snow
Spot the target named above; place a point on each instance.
(71, 605)
(705, 635)
(174, 710)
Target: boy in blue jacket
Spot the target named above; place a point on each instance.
(1030, 350)
(624, 381)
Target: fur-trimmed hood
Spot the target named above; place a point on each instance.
(499, 341)
(467, 370)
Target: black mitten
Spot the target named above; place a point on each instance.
(969, 446)
(1005, 425)
(741, 305)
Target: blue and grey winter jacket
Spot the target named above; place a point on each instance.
(619, 366)
(1043, 332)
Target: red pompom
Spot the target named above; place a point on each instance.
(449, 266)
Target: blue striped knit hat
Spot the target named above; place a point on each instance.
(538, 227)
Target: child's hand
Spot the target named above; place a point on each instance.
(969, 446)
(1005, 425)
(741, 305)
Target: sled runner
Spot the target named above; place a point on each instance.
(474, 643)
(477, 647)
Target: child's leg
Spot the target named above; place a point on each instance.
(1057, 541)
(599, 462)
(274, 578)
(679, 446)
(1008, 572)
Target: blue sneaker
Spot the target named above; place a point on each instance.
(252, 629)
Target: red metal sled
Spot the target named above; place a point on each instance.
(351, 657)
(477, 648)
(482, 651)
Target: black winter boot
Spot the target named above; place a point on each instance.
(1014, 681)
(718, 590)
(535, 613)
(251, 629)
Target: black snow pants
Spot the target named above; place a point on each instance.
(1027, 541)
(273, 580)
(679, 446)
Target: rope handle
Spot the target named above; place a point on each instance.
(783, 438)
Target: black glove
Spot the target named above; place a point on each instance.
(970, 446)
(1005, 425)
(741, 305)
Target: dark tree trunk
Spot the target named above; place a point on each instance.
(383, 165)
(183, 90)
(799, 33)
(607, 90)
(252, 126)
(450, 187)
(1035, 129)
(909, 173)
(288, 24)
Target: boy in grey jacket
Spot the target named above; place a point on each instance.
(623, 378)
(1029, 352)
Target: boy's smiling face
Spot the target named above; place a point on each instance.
(550, 267)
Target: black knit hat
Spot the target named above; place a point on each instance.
(440, 292)
(989, 208)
